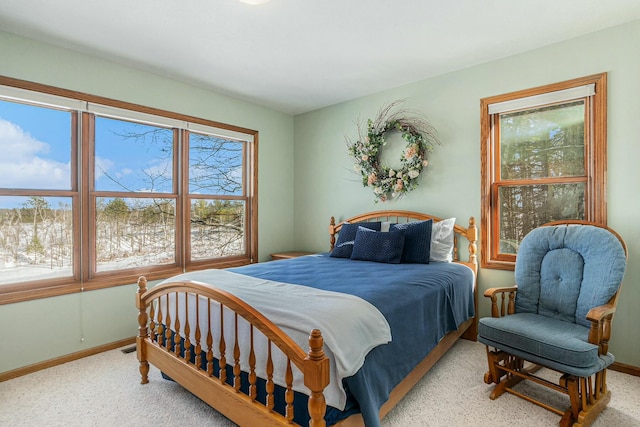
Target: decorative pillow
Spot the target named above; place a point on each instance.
(378, 246)
(417, 241)
(346, 237)
(442, 240)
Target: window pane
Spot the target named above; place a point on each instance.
(543, 142)
(215, 165)
(36, 147)
(134, 233)
(217, 228)
(133, 157)
(523, 208)
(36, 238)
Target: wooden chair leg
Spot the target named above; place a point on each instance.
(500, 377)
(571, 384)
(588, 399)
(494, 374)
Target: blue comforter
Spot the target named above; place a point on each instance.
(421, 302)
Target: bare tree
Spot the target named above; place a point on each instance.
(39, 208)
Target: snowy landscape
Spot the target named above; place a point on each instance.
(36, 241)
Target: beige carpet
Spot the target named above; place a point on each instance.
(105, 390)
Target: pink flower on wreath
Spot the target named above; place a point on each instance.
(399, 185)
(371, 178)
(410, 152)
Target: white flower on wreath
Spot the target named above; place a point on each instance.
(413, 174)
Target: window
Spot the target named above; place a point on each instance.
(95, 192)
(543, 159)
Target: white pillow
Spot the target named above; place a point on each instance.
(442, 240)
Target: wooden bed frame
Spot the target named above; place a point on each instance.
(158, 346)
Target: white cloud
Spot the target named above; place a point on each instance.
(18, 143)
(23, 163)
(125, 172)
(102, 166)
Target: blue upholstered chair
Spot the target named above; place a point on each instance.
(558, 316)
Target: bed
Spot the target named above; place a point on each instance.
(324, 339)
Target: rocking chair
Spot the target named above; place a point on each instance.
(558, 316)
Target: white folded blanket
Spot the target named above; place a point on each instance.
(350, 326)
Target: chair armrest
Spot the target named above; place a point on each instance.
(505, 308)
(491, 291)
(600, 332)
(597, 314)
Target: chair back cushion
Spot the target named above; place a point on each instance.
(563, 271)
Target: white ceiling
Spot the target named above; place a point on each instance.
(299, 55)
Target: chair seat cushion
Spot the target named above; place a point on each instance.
(550, 339)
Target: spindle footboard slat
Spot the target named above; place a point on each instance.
(171, 353)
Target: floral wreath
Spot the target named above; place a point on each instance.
(388, 183)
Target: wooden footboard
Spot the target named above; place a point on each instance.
(166, 343)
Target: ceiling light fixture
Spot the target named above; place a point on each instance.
(254, 2)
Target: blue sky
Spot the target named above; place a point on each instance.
(36, 146)
(33, 152)
(131, 161)
(37, 150)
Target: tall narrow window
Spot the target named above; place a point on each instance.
(37, 192)
(218, 198)
(544, 159)
(135, 203)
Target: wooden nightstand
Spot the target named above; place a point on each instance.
(287, 255)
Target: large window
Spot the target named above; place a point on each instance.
(95, 192)
(543, 159)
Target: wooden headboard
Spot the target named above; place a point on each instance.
(397, 216)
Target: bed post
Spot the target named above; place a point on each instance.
(472, 237)
(143, 331)
(332, 233)
(316, 378)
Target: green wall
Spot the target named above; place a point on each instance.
(48, 328)
(325, 184)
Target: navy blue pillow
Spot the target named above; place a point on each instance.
(417, 241)
(377, 246)
(346, 237)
